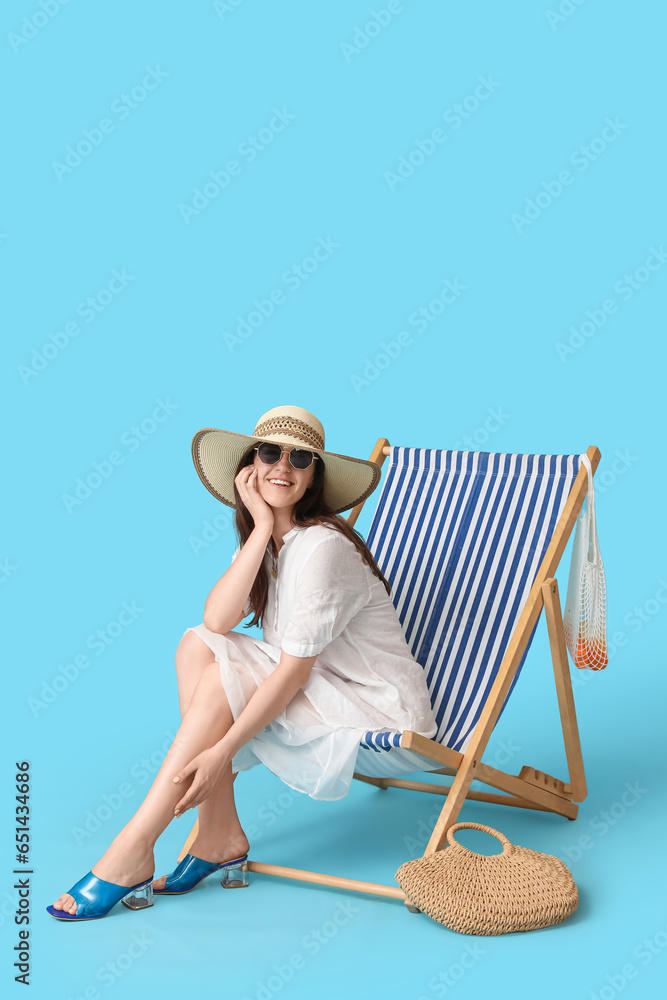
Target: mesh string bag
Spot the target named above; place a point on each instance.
(517, 890)
(585, 615)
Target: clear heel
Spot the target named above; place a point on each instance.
(235, 877)
(140, 897)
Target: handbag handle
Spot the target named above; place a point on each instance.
(590, 506)
(451, 840)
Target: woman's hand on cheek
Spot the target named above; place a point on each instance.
(246, 484)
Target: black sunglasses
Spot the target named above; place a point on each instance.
(299, 458)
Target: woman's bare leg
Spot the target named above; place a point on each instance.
(192, 657)
(129, 859)
(219, 828)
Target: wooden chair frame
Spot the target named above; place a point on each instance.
(530, 789)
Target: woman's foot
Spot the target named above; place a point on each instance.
(123, 864)
(216, 850)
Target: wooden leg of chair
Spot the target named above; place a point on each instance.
(568, 715)
(191, 837)
(452, 807)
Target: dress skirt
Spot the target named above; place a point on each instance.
(313, 744)
(324, 601)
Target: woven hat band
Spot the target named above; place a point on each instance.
(286, 426)
(217, 453)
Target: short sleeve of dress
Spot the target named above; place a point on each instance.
(331, 587)
(246, 607)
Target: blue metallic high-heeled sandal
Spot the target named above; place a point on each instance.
(95, 897)
(191, 871)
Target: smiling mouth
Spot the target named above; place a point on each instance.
(280, 484)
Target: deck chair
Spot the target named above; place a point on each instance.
(470, 543)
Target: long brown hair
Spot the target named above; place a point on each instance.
(312, 508)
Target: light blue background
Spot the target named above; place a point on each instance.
(556, 82)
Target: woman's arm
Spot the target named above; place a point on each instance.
(268, 701)
(223, 609)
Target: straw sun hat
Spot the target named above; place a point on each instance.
(216, 454)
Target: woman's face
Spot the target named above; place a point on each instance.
(281, 485)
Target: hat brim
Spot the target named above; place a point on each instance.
(216, 454)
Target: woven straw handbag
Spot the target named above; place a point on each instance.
(516, 890)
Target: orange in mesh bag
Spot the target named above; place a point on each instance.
(585, 615)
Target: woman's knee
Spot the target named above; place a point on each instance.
(192, 653)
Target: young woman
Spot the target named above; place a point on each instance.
(333, 662)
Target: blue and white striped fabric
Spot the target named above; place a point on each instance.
(460, 537)
(381, 739)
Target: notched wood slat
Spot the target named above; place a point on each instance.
(542, 780)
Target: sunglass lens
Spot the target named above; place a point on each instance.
(269, 453)
(301, 458)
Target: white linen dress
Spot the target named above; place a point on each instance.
(324, 601)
